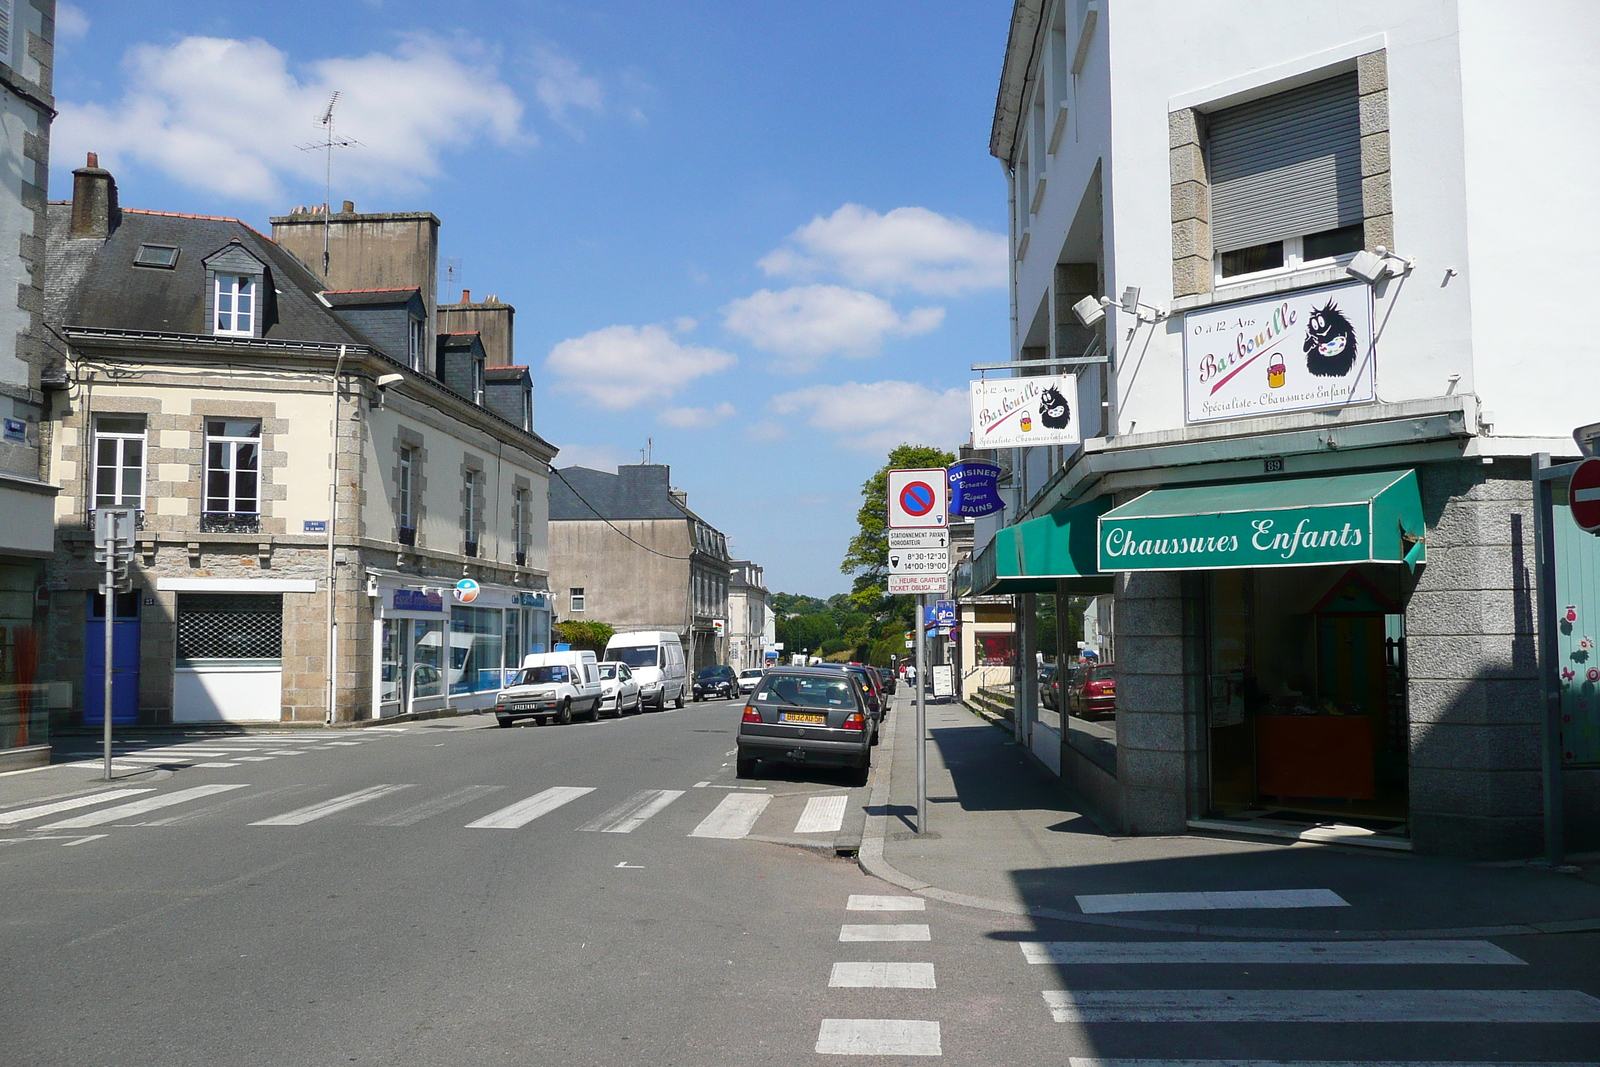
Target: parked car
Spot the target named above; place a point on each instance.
(877, 703)
(656, 659)
(887, 677)
(551, 685)
(807, 715)
(619, 692)
(749, 678)
(1092, 692)
(716, 683)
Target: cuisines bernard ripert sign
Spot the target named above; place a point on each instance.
(1024, 412)
(1288, 352)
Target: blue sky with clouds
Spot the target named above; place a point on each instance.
(767, 237)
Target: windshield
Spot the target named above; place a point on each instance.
(541, 675)
(608, 670)
(635, 656)
(753, 672)
(710, 672)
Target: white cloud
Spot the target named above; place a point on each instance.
(765, 431)
(619, 367)
(226, 116)
(71, 22)
(562, 86)
(810, 321)
(878, 416)
(697, 418)
(908, 248)
(595, 457)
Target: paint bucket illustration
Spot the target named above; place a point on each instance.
(1027, 422)
(1275, 372)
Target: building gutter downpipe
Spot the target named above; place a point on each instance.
(333, 522)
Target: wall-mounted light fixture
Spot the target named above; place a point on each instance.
(1372, 267)
(1091, 309)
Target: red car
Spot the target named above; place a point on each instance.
(1092, 692)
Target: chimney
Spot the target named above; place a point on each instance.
(94, 201)
(466, 296)
(348, 208)
(492, 320)
(679, 497)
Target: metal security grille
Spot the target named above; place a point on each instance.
(230, 626)
(1287, 165)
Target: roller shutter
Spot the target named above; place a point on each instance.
(1286, 165)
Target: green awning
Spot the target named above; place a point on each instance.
(1298, 522)
(1033, 556)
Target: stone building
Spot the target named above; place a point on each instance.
(27, 49)
(626, 550)
(1303, 468)
(749, 615)
(329, 527)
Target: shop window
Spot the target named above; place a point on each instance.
(427, 658)
(230, 626)
(997, 650)
(477, 650)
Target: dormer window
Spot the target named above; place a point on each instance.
(235, 305)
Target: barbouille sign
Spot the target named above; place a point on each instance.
(1288, 352)
(1025, 412)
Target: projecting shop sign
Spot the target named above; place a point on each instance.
(1289, 352)
(1024, 412)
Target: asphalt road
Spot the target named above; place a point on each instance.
(338, 906)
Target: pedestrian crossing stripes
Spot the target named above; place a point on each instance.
(437, 805)
(1094, 953)
(880, 975)
(313, 812)
(823, 815)
(1322, 1006)
(135, 808)
(525, 811)
(884, 932)
(871, 902)
(879, 1037)
(39, 811)
(632, 813)
(734, 818)
(1099, 904)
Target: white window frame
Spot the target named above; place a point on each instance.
(577, 601)
(406, 502)
(414, 343)
(231, 445)
(1293, 263)
(469, 524)
(519, 520)
(229, 287)
(120, 465)
(477, 381)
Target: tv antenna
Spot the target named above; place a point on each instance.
(329, 142)
(452, 273)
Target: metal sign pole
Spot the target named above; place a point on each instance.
(922, 715)
(1544, 583)
(109, 589)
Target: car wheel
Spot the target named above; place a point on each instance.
(877, 735)
(680, 698)
(502, 720)
(859, 775)
(594, 712)
(564, 716)
(745, 768)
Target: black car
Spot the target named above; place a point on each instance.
(716, 683)
(889, 684)
(807, 715)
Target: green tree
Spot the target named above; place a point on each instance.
(867, 555)
(584, 635)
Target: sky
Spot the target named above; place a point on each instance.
(764, 241)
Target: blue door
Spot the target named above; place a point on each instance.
(124, 661)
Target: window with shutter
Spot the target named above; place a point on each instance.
(1286, 178)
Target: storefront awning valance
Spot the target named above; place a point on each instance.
(1032, 556)
(1292, 522)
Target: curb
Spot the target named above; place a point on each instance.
(871, 860)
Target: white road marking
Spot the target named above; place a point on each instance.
(885, 932)
(1287, 952)
(286, 752)
(206, 811)
(823, 815)
(734, 817)
(216, 764)
(883, 975)
(879, 1037)
(631, 866)
(342, 744)
(436, 805)
(701, 785)
(158, 760)
(386, 730)
(525, 811)
(632, 813)
(257, 759)
(39, 811)
(313, 812)
(1261, 898)
(870, 902)
(1322, 1006)
(85, 840)
(122, 812)
(731, 752)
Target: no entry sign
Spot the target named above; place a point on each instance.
(1584, 495)
(918, 498)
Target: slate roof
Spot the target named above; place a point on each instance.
(93, 282)
(636, 491)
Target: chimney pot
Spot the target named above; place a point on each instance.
(94, 159)
(349, 207)
(466, 296)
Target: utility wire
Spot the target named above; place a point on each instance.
(611, 524)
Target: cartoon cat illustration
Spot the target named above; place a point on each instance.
(1330, 342)
(1053, 409)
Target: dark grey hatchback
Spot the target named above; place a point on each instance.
(806, 715)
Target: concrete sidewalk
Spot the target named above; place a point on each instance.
(1006, 835)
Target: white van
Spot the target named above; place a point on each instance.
(551, 685)
(656, 657)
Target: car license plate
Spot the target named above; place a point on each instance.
(522, 707)
(800, 716)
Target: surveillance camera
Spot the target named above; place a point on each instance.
(1089, 310)
(386, 380)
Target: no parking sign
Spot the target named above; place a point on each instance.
(918, 498)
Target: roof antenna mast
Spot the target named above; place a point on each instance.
(329, 142)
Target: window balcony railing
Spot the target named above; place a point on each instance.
(138, 518)
(407, 535)
(230, 522)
